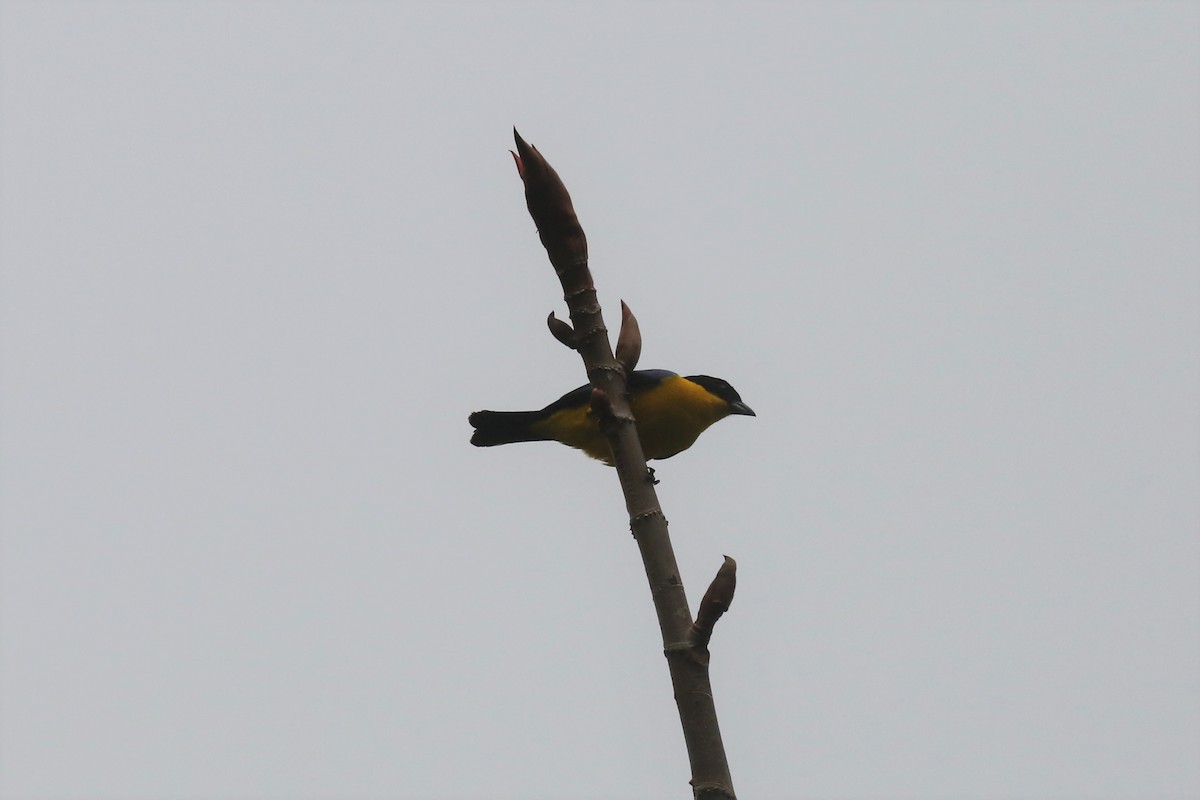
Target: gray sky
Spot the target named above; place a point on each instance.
(261, 260)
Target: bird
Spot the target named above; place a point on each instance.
(671, 412)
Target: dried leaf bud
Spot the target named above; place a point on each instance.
(561, 330)
(629, 341)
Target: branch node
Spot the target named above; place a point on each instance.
(645, 515)
(583, 337)
(601, 369)
(640, 519)
(568, 296)
(566, 266)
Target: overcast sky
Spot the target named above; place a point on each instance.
(260, 260)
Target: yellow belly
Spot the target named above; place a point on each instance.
(670, 417)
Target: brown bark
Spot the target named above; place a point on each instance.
(687, 653)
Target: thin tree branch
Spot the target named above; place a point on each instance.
(563, 237)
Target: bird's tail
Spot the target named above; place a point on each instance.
(504, 427)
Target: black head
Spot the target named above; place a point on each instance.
(723, 390)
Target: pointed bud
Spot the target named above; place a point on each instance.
(629, 341)
(561, 330)
(550, 206)
(716, 602)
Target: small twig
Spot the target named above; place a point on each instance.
(561, 330)
(716, 602)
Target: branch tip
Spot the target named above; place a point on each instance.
(525, 151)
(550, 206)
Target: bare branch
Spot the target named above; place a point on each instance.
(561, 234)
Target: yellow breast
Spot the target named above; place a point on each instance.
(670, 416)
(673, 414)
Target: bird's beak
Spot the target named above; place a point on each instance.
(741, 408)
